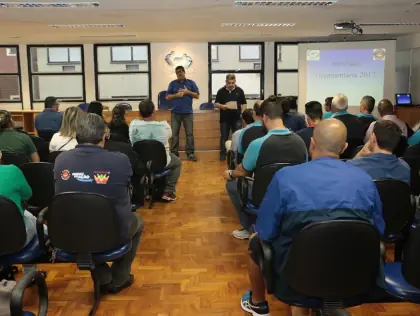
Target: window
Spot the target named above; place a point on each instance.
(122, 72)
(245, 60)
(10, 91)
(286, 69)
(56, 70)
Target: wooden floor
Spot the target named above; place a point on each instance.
(187, 264)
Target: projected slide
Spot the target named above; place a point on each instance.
(353, 72)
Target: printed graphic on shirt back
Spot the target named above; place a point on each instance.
(82, 177)
(101, 177)
(65, 175)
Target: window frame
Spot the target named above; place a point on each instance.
(18, 73)
(132, 60)
(82, 73)
(97, 72)
(65, 63)
(276, 66)
(226, 71)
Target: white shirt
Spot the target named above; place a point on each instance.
(62, 143)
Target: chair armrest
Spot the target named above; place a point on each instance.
(40, 227)
(242, 187)
(383, 250)
(33, 277)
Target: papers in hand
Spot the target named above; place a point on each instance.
(232, 105)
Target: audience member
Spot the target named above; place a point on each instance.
(304, 200)
(49, 120)
(377, 158)
(293, 122)
(387, 112)
(118, 127)
(247, 119)
(252, 131)
(355, 129)
(367, 104)
(14, 142)
(96, 107)
(149, 128)
(415, 138)
(327, 108)
(313, 110)
(65, 139)
(294, 108)
(83, 106)
(91, 168)
(288, 148)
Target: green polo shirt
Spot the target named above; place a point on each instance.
(15, 142)
(13, 185)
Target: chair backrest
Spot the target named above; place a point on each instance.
(116, 137)
(262, 179)
(412, 151)
(83, 223)
(40, 177)
(334, 260)
(12, 227)
(251, 134)
(163, 104)
(41, 147)
(151, 150)
(401, 147)
(13, 159)
(414, 163)
(46, 135)
(53, 156)
(397, 205)
(207, 106)
(411, 258)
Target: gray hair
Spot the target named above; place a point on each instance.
(340, 102)
(90, 129)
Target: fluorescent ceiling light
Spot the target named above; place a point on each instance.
(258, 24)
(71, 5)
(85, 26)
(285, 3)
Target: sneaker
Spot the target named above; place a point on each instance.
(241, 234)
(261, 309)
(192, 157)
(169, 196)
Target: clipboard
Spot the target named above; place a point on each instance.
(232, 105)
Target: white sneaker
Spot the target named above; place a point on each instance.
(241, 234)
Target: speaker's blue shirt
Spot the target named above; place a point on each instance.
(182, 105)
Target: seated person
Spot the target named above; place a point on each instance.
(96, 107)
(85, 163)
(118, 126)
(296, 198)
(367, 104)
(14, 142)
(415, 138)
(149, 128)
(377, 158)
(327, 108)
(293, 122)
(294, 109)
(355, 129)
(313, 110)
(247, 118)
(65, 139)
(252, 131)
(288, 148)
(83, 107)
(49, 121)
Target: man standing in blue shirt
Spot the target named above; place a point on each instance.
(297, 197)
(181, 92)
(49, 120)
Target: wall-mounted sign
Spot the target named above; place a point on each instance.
(173, 59)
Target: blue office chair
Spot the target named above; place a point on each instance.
(207, 106)
(125, 105)
(83, 229)
(164, 104)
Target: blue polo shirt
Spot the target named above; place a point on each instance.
(89, 168)
(414, 139)
(48, 120)
(182, 105)
(368, 116)
(297, 197)
(383, 166)
(240, 147)
(339, 113)
(327, 115)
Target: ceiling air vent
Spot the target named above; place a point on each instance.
(285, 3)
(69, 5)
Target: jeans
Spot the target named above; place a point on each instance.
(172, 178)
(120, 270)
(232, 190)
(187, 120)
(225, 128)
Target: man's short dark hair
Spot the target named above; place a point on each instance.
(180, 68)
(50, 102)
(248, 116)
(387, 134)
(95, 107)
(313, 110)
(369, 101)
(288, 103)
(257, 108)
(328, 101)
(272, 107)
(146, 108)
(90, 129)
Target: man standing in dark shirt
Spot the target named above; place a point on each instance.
(91, 168)
(230, 100)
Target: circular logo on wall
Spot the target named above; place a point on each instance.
(65, 174)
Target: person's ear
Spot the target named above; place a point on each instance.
(373, 139)
(344, 148)
(312, 145)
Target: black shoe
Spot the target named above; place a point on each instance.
(192, 157)
(222, 157)
(112, 289)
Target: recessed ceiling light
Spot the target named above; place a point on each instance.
(285, 3)
(83, 26)
(70, 5)
(258, 24)
(391, 24)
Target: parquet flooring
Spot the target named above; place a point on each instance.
(187, 264)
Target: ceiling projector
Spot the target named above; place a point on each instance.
(351, 26)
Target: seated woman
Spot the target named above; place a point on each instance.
(15, 142)
(118, 126)
(65, 139)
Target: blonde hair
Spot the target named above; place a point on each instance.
(70, 119)
(230, 77)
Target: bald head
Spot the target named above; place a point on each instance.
(340, 102)
(385, 107)
(329, 138)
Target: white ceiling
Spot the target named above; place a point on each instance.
(199, 20)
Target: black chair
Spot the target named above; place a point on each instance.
(401, 147)
(53, 156)
(40, 177)
(414, 163)
(118, 138)
(153, 155)
(329, 262)
(41, 147)
(13, 159)
(412, 151)
(398, 210)
(84, 228)
(46, 135)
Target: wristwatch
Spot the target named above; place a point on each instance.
(230, 174)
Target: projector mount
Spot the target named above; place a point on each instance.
(352, 26)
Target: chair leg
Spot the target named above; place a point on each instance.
(96, 293)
